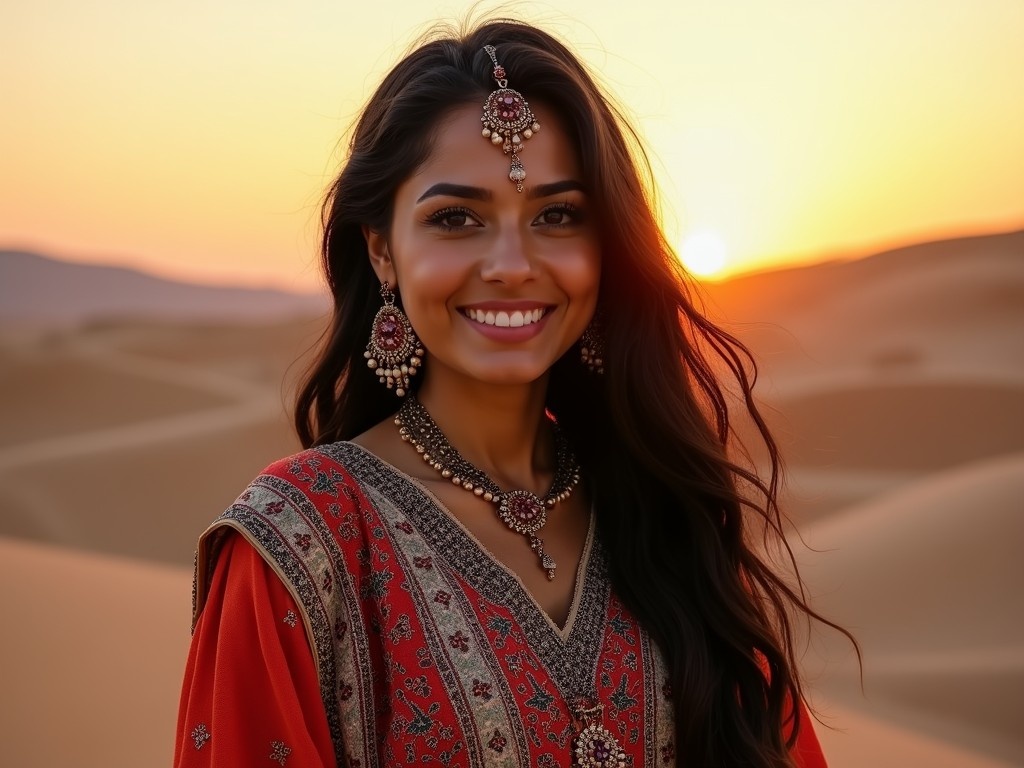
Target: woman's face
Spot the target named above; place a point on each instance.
(497, 284)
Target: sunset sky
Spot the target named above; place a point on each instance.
(195, 138)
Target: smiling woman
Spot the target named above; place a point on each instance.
(464, 242)
(517, 539)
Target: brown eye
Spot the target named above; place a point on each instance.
(561, 215)
(449, 219)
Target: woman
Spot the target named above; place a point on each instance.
(517, 537)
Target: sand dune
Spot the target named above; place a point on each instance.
(136, 457)
(895, 385)
(929, 579)
(859, 740)
(61, 393)
(850, 438)
(949, 307)
(146, 501)
(922, 425)
(94, 649)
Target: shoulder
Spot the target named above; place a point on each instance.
(289, 501)
(318, 470)
(301, 514)
(314, 479)
(320, 499)
(302, 490)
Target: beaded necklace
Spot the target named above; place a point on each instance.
(521, 510)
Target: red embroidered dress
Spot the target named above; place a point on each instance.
(424, 648)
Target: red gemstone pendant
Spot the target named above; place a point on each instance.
(596, 747)
(522, 511)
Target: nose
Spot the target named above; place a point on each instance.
(508, 259)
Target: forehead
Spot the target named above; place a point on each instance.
(460, 154)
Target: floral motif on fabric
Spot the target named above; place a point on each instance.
(668, 753)
(200, 735)
(279, 752)
(428, 649)
(497, 742)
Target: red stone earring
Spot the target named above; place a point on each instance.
(394, 352)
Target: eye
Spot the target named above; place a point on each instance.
(558, 215)
(453, 218)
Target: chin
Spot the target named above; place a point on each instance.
(491, 367)
(512, 376)
(506, 373)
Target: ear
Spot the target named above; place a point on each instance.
(380, 255)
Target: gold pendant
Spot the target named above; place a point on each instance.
(595, 746)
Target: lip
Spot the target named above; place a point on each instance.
(507, 334)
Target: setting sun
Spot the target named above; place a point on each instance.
(704, 253)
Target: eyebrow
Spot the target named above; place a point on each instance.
(556, 187)
(485, 195)
(456, 190)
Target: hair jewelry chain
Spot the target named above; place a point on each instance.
(508, 120)
(522, 511)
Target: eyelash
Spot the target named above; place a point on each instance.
(567, 208)
(437, 219)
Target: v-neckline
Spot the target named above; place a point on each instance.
(579, 583)
(570, 652)
(581, 569)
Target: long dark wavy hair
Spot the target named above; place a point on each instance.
(680, 518)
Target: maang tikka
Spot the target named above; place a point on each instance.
(508, 120)
(394, 353)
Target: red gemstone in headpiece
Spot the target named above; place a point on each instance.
(499, 72)
(510, 107)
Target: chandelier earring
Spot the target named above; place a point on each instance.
(394, 353)
(592, 349)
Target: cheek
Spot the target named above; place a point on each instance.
(428, 279)
(579, 271)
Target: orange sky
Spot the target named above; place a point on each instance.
(196, 138)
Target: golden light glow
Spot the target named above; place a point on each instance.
(704, 253)
(198, 138)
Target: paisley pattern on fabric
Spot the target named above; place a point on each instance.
(426, 647)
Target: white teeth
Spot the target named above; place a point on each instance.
(516, 319)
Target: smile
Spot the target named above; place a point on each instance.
(502, 319)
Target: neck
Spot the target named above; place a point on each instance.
(501, 429)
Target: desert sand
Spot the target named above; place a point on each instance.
(895, 385)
